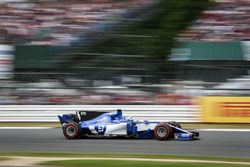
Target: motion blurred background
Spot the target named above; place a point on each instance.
(123, 51)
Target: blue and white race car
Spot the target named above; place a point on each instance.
(114, 124)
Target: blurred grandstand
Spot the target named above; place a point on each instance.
(227, 20)
(60, 22)
(215, 47)
(114, 51)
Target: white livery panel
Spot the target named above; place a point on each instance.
(109, 129)
(116, 129)
(145, 126)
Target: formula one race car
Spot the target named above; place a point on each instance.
(114, 124)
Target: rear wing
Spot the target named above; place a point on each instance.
(66, 118)
(79, 116)
(83, 116)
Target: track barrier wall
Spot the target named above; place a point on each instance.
(48, 113)
(213, 109)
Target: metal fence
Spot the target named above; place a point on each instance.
(48, 113)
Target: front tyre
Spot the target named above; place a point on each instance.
(71, 130)
(163, 132)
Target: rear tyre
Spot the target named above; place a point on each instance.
(163, 132)
(71, 130)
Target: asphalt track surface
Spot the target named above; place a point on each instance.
(215, 144)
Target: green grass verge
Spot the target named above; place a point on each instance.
(154, 156)
(3, 159)
(107, 163)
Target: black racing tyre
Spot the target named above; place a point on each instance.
(176, 124)
(163, 132)
(71, 130)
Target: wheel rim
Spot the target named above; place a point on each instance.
(71, 130)
(162, 132)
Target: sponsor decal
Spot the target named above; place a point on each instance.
(103, 120)
(225, 109)
(100, 129)
(233, 109)
(182, 136)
